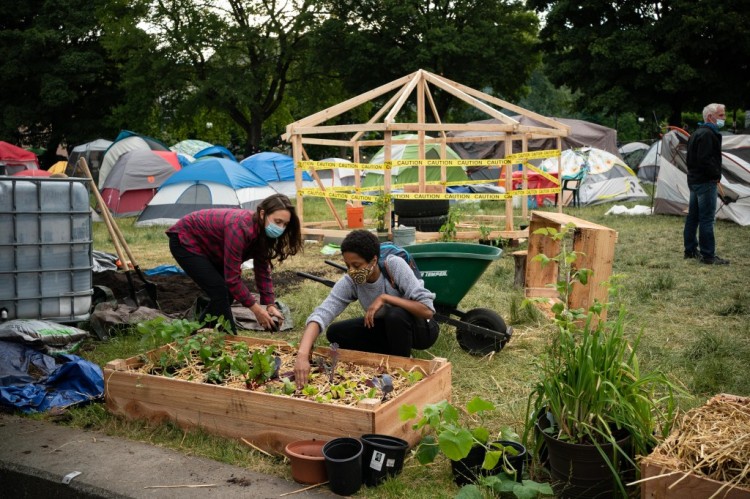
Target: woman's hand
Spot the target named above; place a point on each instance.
(301, 370)
(274, 311)
(373, 309)
(263, 317)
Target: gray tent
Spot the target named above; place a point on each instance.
(93, 152)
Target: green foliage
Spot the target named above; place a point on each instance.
(449, 229)
(159, 330)
(382, 206)
(590, 382)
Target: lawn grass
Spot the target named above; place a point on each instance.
(695, 321)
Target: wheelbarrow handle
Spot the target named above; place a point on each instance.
(336, 265)
(315, 278)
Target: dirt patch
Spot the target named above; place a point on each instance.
(176, 293)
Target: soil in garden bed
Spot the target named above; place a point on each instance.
(177, 293)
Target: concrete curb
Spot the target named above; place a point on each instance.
(36, 456)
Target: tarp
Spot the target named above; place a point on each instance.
(604, 177)
(126, 141)
(135, 178)
(410, 175)
(14, 159)
(31, 381)
(209, 183)
(672, 195)
(277, 170)
(582, 134)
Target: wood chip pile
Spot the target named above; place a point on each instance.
(712, 441)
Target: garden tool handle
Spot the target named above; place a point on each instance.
(105, 212)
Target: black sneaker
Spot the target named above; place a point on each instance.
(695, 254)
(714, 261)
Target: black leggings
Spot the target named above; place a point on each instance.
(209, 277)
(395, 333)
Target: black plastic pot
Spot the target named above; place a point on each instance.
(382, 457)
(579, 470)
(343, 458)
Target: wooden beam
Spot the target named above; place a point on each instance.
(316, 177)
(407, 90)
(342, 107)
(380, 113)
(469, 99)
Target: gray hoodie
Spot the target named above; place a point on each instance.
(345, 291)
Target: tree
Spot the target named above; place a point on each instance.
(480, 43)
(648, 57)
(237, 57)
(57, 82)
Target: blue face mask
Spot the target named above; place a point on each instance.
(274, 231)
(720, 123)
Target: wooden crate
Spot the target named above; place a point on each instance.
(660, 482)
(270, 421)
(596, 246)
(690, 487)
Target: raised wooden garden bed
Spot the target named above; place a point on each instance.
(271, 421)
(707, 454)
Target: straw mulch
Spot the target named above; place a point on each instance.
(712, 441)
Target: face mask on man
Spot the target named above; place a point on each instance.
(359, 276)
(720, 123)
(274, 231)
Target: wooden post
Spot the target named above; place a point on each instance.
(519, 261)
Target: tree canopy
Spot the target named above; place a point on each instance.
(485, 44)
(645, 56)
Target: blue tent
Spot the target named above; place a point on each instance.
(215, 151)
(276, 169)
(208, 183)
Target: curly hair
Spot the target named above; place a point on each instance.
(362, 242)
(290, 242)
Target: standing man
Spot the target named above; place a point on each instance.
(704, 175)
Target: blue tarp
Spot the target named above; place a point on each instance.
(59, 381)
(165, 270)
(272, 167)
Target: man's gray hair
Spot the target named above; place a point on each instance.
(712, 109)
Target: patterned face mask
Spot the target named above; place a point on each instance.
(359, 276)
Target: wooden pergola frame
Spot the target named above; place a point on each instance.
(310, 129)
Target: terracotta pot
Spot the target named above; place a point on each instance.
(308, 464)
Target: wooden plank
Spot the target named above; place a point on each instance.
(689, 487)
(596, 251)
(538, 276)
(406, 91)
(453, 89)
(326, 142)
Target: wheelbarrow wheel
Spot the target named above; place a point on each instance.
(479, 344)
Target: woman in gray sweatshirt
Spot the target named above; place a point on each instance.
(398, 308)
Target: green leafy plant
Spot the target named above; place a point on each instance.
(449, 229)
(382, 205)
(484, 232)
(159, 330)
(590, 386)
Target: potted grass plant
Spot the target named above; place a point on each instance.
(382, 207)
(593, 409)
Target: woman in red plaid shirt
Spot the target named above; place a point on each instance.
(210, 246)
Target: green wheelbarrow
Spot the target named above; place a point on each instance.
(450, 270)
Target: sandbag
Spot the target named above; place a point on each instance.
(48, 336)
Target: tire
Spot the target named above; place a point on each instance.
(477, 344)
(420, 207)
(424, 224)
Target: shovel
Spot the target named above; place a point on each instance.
(119, 242)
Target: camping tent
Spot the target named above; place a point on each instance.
(126, 141)
(135, 178)
(604, 177)
(215, 151)
(191, 146)
(210, 183)
(14, 159)
(276, 169)
(582, 134)
(648, 168)
(632, 153)
(93, 152)
(338, 176)
(410, 175)
(672, 194)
